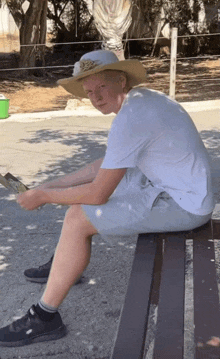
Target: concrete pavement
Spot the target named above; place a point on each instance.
(39, 147)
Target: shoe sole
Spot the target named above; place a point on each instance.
(44, 280)
(37, 280)
(55, 334)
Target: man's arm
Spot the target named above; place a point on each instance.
(85, 175)
(96, 192)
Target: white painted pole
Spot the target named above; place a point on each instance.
(174, 34)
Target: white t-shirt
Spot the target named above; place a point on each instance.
(155, 134)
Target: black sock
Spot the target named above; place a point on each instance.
(43, 314)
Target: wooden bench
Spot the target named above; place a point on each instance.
(158, 279)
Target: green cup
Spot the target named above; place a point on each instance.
(4, 107)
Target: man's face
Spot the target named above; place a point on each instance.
(106, 91)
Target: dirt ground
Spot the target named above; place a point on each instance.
(197, 80)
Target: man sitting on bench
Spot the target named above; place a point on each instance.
(155, 177)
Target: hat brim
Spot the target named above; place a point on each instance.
(133, 68)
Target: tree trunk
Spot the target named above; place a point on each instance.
(32, 29)
(43, 32)
(112, 19)
(139, 26)
(33, 32)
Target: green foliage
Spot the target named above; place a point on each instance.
(176, 12)
(154, 7)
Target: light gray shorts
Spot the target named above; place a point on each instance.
(129, 210)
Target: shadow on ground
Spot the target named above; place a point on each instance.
(87, 147)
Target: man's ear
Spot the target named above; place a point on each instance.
(123, 80)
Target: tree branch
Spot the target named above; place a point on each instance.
(62, 10)
(57, 20)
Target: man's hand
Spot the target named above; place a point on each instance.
(31, 199)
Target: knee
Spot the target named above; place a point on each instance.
(73, 210)
(75, 215)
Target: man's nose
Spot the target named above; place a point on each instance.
(97, 95)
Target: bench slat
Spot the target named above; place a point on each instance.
(169, 340)
(206, 297)
(130, 337)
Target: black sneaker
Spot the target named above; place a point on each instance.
(41, 274)
(31, 329)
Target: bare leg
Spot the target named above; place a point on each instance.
(72, 255)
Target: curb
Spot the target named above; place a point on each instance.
(201, 105)
(83, 111)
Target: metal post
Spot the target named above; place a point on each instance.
(174, 34)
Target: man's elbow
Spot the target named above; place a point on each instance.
(93, 200)
(100, 200)
(97, 197)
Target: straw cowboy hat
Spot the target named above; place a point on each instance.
(96, 61)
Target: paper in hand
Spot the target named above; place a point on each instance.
(12, 183)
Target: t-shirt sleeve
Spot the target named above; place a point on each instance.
(132, 131)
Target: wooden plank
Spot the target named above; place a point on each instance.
(206, 297)
(216, 229)
(154, 297)
(158, 262)
(215, 222)
(169, 339)
(130, 337)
